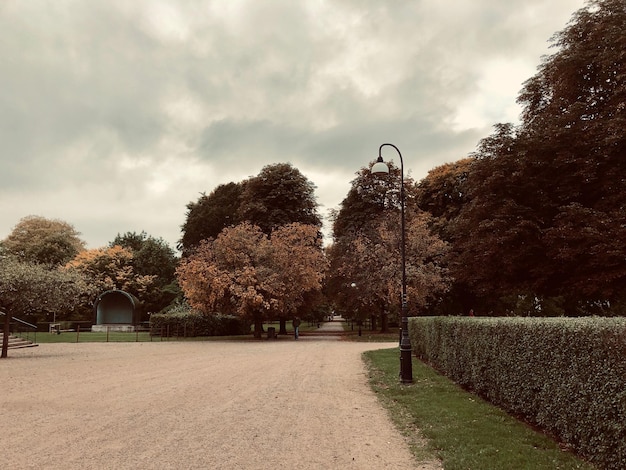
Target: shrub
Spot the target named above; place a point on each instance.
(566, 375)
(181, 321)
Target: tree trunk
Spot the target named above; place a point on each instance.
(258, 327)
(283, 326)
(5, 338)
(373, 320)
(384, 322)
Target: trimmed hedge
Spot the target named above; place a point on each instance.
(189, 323)
(565, 375)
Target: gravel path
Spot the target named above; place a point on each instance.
(196, 405)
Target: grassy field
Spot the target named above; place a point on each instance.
(143, 336)
(464, 431)
(368, 336)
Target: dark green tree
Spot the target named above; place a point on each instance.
(443, 193)
(279, 195)
(152, 257)
(369, 197)
(575, 119)
(209, 215)
(546, 214)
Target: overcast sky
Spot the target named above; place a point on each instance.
(115, 114)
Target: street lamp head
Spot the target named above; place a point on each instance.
(380, 167)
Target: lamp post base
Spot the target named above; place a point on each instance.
(406, 365)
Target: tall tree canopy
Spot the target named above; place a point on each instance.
(152, 257)
(36, 239)
(366, 256)
(368, 197)
(546, 216)
(112, 268)
(279, 195)
(443, 193)
(208, 216)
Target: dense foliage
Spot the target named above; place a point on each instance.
(36, 291)
(279, 195)
(537, 218)
(184, 322)
(39, 240)
(152, 257)
(209, 215)
(246, 273)
(565, 375)
(112, 268)
(365, 257)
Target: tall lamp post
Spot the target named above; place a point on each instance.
(406, 366)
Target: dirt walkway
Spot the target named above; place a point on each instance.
(195, 405)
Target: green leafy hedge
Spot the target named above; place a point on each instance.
(189, 323)
(566, 375)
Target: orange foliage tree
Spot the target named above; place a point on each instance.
(112, 268)
(372, 264)
(247, 273)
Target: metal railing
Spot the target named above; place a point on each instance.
(21, 328)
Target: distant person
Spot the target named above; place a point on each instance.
(471, 312)
(296, 327)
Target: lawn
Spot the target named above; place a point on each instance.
(144, 336)
(463, 430)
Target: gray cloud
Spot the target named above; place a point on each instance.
(114, 115)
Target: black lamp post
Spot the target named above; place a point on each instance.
(406, 366)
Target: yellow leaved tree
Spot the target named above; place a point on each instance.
(247, 273)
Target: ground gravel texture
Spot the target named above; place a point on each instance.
(281, 404)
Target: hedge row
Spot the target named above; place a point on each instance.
(565, 375)
(189, 323)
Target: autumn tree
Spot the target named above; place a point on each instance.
(112, 268)
(373, 266)
(366, 256)
(299, 259)
(36, 239)
(367, 200)
(209, 215)
(247, 273)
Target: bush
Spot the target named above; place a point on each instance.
(566, 375)
(181, 321)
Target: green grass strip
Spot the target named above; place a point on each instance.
(462, 430)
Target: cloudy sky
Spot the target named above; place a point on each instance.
(114, 114)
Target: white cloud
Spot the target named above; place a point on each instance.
(114, 115)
